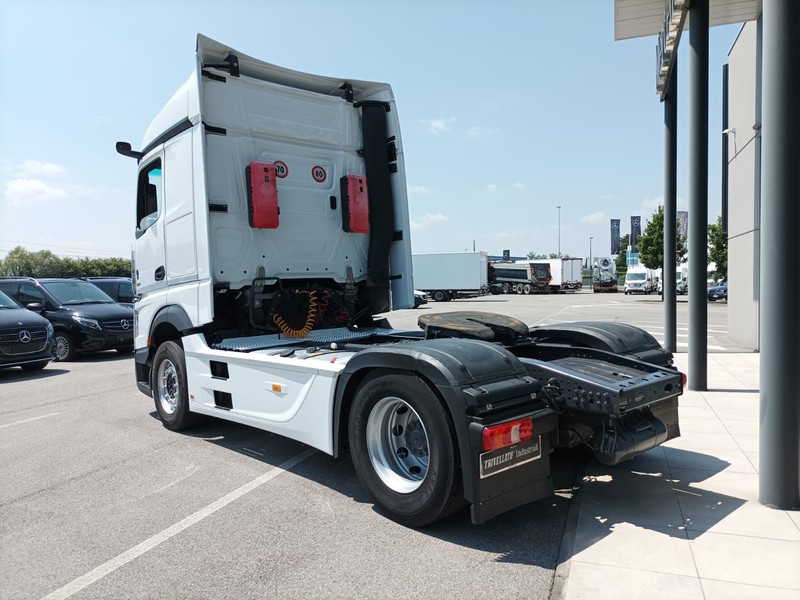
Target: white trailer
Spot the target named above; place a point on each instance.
(272, 236)
(447, 275)
(572, 273)
(566, 274)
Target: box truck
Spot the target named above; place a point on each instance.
(446, 275)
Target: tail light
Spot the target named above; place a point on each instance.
(507, 434)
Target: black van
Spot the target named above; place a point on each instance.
(85, 318)
(26, 339)
(119, 288)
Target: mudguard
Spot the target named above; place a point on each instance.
(617, 338)
(481, 384)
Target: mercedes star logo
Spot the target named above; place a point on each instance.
(125, 324)
(24, 336)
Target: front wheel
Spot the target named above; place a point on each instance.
(440, 296)
(403, 448)
(65, 347)
(170, 390)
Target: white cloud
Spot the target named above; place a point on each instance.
(418, 190)
(480, 131)
(35, 168)
(597, 217)
(518, 185)
(491, 188)
(102, 120)
(652, 204)
(33, 191)
(427, 219)
(438, 125)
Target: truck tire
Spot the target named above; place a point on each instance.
(526, 289)
(506, 288)
(403, 447)
(170, 391)
(440, 296)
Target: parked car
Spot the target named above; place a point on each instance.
(26, 339)
(718, 292)
(420, 298)
(84, 317)
(119, 288)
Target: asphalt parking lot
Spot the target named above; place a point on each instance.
(100, 501)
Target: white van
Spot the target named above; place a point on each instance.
(638, 280)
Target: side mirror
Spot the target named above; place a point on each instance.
(35, 307)
(125, 149)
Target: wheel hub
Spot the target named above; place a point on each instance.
(397, 444)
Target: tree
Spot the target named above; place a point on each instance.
(21, 263)
(651, 242)
(718, 248)
(622, 258)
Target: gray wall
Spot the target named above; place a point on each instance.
(743, 187)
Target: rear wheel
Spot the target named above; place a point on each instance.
(403, 448)
(526, 289)
(440, 296)
(170, 390)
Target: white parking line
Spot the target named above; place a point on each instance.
(29, 420)
(121, 560)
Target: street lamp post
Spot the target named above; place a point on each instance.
(590, 253)
(559, 231)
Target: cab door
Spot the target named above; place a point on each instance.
(149, 268)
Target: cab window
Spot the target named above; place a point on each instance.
(149, 196)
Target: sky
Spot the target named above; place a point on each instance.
(508, 110)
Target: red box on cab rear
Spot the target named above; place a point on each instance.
(262, 195)
(355, 204)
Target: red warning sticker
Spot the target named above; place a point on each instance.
(319, 173)
(281, 170)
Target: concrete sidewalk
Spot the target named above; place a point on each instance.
(683, 521)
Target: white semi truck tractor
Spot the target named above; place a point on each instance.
(271, 233)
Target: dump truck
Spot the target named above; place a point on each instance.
(272, 239)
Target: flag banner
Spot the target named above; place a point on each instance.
(636, 232)
(683, 223)
(614, 236)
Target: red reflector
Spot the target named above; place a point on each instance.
(262, 195)
(683, 379)
(507, 434)
(355, 204)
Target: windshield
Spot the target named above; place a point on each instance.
(77, 292)
(636, 276)
(7, 302)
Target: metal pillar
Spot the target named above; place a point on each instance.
(779, 481)
(698, 194)
(670, 208)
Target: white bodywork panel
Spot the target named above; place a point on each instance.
(292, 397)
(302, 130)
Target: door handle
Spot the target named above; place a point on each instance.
(160, 273)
